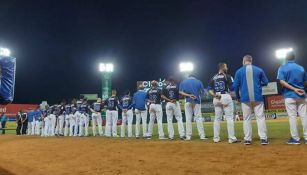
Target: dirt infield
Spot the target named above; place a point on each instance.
(35, 155)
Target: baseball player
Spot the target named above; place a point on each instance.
(44, 118)
(96, 116)
(248, 83)
(38, 121)
(31, 122)
(155, 109)
(78, 115)
(191, 89)
(67, 115)
(73, 125)
(127, 115)
(50, 117)
(60, 119)
(292, 77)
(171, 96)
(111, 105)
(219, 88)
(139, 103)
(84, 118)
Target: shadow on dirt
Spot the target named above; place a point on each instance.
(5, 172)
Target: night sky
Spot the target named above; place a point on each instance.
(58, 44)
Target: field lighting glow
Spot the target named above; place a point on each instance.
(282, 53)
(109, 67)
(186, 67)
(5, 52)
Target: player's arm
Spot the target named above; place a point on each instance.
(264, 79)
(163, 95)
(187, 95)
(288, 86)
(236, 84)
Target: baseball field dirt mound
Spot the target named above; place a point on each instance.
(94, 155)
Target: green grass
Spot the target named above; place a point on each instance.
(278, 130)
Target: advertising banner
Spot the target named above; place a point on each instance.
(276, 102)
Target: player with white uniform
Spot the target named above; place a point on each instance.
(73, 125)
(84, 118)
(31, 122)
(126, 105)
(139, 103)
(191, 88)
(155, 109)
(38, 121)
(247, 84)
(96, 116)
(68, 115)
(48, 121)
(77, 115)
(60, 119)
(293, 77)
(219, 88)
(171, 96)
(111, 105)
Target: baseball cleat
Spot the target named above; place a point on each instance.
(292, 141)
(171, 138)
(234, 141)
(216, 140)
(183, 138)
(247, 142)
(203, 138)
(162, 138)
(188, 138)
(264, 142)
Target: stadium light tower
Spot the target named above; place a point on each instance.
(106, 70)
(281, 54)
(186, 68)
(5, 52)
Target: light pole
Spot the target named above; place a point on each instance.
(106, 70)
(281, 54)
(186, 68)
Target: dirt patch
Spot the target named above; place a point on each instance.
(35, 155)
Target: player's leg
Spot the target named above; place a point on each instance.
(66, 124)
(94, 120)
(123, 125)
(108, 124)
(114, 123)
(53, 124)
(178, 116)
(144, 122)
(33, 127)
(218, 109)
(37, 127)
(72, 123)
(86, 123)
(81, 124)
(260, 117)
(302, 108)
(159, 115)
(152, 115)
(62, 119)
(228, 110)
(292, 111)
(188, 118)
(129, 120)
(247, 124)
(199, 121)
(99, 123)
(169, 115)
(137, 123)
(29, 128)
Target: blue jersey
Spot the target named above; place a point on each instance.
(154, 95)
(139, 100)
(194, 87)
(294, 75)
(248, 83)
(84, 108)
(31, 115)
(97, 107)
(171, 91)
(68, 109)
(111, 103)
(79, 103)
(221, 83)
(126, 102)
(38, 115)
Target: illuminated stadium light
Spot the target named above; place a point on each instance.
(109, 67)
(186, 67)
(282, 53)
(5, 52)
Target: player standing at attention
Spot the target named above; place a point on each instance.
(171, 96)
(78, 115)
(68, 115)
(31, 121)
(155, 109)
(292, 77)
(191, 89)
(219, 88)
(73, 125)
(111, 115)
(96, 116)
(248, 83)
(139, 103)
(38, 121)
(60, 119)
(84, 118)
(127, 115)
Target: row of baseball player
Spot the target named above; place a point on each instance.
(247, 84)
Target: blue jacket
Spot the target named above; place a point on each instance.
(248, 83)
(194, 87)
(139, 100)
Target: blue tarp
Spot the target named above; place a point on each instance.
(7, 72)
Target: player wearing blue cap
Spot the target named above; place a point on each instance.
(292, 77)
(191, 89)
(248, 83)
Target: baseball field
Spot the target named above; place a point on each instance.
(99, 155)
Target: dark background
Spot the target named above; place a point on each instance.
(58, 44)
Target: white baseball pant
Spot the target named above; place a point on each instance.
(97, 120)
(140, 115)
(84, 121)
(59, 125)
(31, 127)
(296, 107)
(48, 125)
(258, 108)
(72, 125)
(77, 127)
(37, 127)
(126, 118)
(224, 106)
(171, 110)
(53, 120)
(111, 122)
(155, 112)
(67, 124)
(190, 109)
